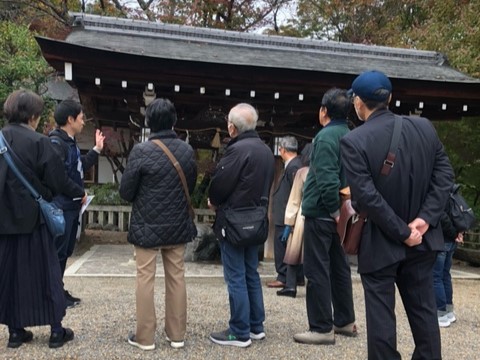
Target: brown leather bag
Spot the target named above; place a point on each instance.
(350, 227)
(350, 224)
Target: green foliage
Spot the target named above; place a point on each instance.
(106, 194)
(462, 144)
(22, 63)
(451, 27)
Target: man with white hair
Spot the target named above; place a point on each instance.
(239, 180)
(287, 149)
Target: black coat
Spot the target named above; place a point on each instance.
(242, 173)
(418, 186)
(282, 192)
(42, 168)
(160, 209)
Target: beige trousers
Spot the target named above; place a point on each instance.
(175, 293)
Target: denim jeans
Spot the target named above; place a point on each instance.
(442, 280)
(247, 312)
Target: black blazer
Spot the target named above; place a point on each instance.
(417, 186)
(282, 192)
(41, 166)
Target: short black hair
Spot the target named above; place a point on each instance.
(377, 105)
(160, 115)
(338, 103)
(65, 109)
(21, 106)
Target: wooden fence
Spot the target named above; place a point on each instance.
(118, 217)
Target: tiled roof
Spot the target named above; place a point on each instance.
(180, 42)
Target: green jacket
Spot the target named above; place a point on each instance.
(321, 198)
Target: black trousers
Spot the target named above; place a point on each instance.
(279, 249)
(414, 280)
(329, 277)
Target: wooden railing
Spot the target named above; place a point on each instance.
(118, 217)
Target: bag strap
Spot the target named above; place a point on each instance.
(389, 162)
(181, 174)
(4, 150)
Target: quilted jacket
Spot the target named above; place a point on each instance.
(160, 210)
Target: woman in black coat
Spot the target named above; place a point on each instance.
(31, 288)
(160, 220)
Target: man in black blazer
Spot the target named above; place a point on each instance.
(402, 233)
(288, 147)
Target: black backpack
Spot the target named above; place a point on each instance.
(461, 214)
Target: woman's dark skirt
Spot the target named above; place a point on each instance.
(31, 287)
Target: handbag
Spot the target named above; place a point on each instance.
(52, 214)
(180, 172)
(350, 224)
(245, 226)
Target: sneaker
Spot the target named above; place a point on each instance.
(73, 299)
(176, 344)
(131, 340)
(17, 338)
(451, 316)
(444, 321)
(347, 330)
(257, 336)
(57, 339)
(315, 338)
(226, 338)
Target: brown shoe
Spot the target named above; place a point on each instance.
(315, 338)
(347, 330)
(275, 284)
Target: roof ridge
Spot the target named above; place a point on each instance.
(273, 42)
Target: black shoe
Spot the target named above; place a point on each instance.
(69, 304)
(287, 292)
(17, 338)
(73, 299)
(57, 339)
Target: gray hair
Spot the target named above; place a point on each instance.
(289, 143)
(244, 117)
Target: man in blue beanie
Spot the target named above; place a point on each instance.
(403, 198)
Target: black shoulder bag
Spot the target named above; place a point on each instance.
(52, 215)
(246, 226)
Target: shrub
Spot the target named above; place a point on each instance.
(106, 194)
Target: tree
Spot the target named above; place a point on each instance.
(22, 63)
(241, 15)
(450, 27)
(117, 148)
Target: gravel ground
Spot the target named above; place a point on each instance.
(107, 313)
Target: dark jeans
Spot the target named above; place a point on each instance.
(66, 244)
(442, 280)
(413, 277)
(279, 249)
(247, 312)
(329, 277)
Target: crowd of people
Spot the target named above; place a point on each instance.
(407, 240)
